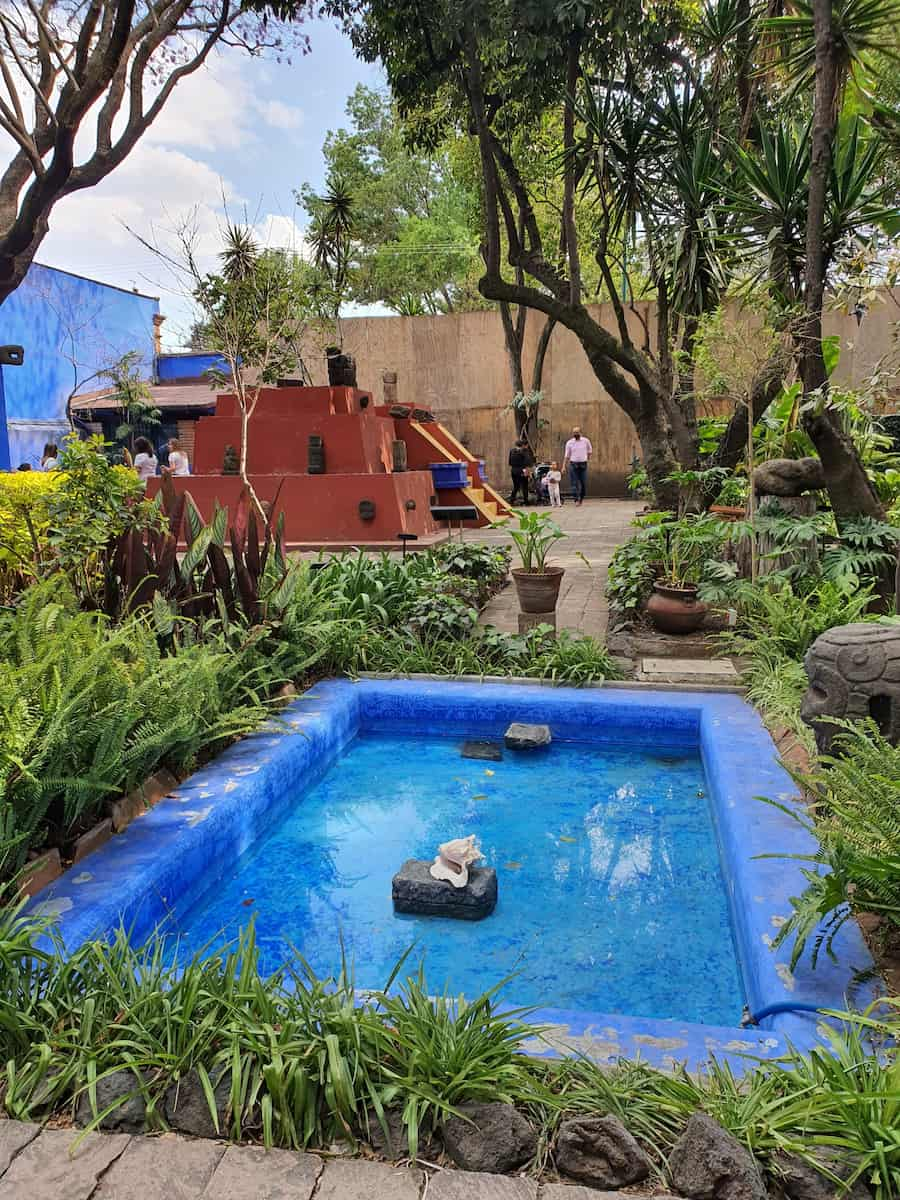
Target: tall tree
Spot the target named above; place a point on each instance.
(93, 74)
(584, 69)
(824, 43)
(414, 240)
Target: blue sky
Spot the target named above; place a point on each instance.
(248, 129)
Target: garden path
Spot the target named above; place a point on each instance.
(44, 1165)
(594, 530)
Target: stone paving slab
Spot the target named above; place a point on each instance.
(254, 1173)
(40, 1165)
(47, 1169)
(359, 1179)
(688, 670)
(168, 1167)
(593, 530)
(15, 1136)
(477, 1185)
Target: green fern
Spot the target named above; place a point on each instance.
(857, 823)
(89, 710)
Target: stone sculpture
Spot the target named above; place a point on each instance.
(789, 476)
(230, 464)
(454, 859)
(853, 672)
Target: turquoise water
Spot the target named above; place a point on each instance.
(611, 897)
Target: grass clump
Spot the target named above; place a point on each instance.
(308, 1061)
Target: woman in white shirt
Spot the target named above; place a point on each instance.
(145, 462)
(178, 460)
(50, 457)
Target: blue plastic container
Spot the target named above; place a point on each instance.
(482, 474)
(449, 475)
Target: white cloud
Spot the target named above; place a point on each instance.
(218, 108)
(278, 231)
(279, 115)
(209, 110)
(154, 191)
(165, 182)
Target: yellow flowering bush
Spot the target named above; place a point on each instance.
(23, 502)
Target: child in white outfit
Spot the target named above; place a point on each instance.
(553, 478)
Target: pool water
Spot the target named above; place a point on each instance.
(611, 897)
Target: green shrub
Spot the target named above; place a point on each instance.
(486, 566)
(566, 658)
(94, 503)
(785, 621)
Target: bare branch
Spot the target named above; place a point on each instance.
(105, 55)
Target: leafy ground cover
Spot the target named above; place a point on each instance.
(297, 1061)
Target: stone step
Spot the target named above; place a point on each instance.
(713, 671)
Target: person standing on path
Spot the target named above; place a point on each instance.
(521, 460)
(578, 454)
(554, 478)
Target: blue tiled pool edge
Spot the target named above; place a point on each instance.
(218, 813)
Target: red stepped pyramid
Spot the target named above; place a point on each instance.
(351, 473)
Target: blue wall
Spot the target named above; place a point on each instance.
(70, 328)
(188, 366)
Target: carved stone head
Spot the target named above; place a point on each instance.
(854, 673)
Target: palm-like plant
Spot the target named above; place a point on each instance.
(769, 202)
(332, 231)
(241, 253)
(858, 28)
(770, 192)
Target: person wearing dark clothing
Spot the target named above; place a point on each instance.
(521, 460)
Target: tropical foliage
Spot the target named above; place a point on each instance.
(122, 653)
(854, 794)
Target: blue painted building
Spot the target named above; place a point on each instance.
(71, 329)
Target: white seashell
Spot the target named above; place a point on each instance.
(455, 875)
(453, 860)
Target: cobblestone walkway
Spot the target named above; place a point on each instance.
(38, 1164)
(593, 530)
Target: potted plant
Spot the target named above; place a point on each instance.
(673, 606)
(536, 583)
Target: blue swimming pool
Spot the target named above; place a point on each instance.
(637, 902)
(607, 861)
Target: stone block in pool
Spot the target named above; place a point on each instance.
(486, 751)
(526, 737)
(414, 891)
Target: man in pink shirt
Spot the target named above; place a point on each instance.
(578, 453)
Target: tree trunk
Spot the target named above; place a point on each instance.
(537, 370)
(14, 267)
(849, 489)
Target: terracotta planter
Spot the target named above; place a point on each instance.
(538, 590)
(675, 609)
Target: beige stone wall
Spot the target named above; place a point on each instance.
(456, 366)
